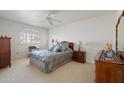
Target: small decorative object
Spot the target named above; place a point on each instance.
(109, 51)
(109, 55)
(79, 45)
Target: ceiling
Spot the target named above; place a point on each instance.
(37, 17)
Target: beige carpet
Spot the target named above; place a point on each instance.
(22, 72)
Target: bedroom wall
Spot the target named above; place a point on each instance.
(93, 33)
(12, 29)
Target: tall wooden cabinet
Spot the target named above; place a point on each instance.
(5, 51)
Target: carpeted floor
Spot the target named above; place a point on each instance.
(22, 72)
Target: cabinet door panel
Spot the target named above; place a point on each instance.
(117, 75)
(4, 52)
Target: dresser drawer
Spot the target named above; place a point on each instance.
(79, 56)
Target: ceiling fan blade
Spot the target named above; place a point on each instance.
(50, 22)
(49, 18)
(52, 12)
(56, 20)
(49, 14)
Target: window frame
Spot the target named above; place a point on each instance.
(29, 36)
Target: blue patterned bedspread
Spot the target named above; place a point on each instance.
(50, 59)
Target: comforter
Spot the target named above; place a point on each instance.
(50, 59)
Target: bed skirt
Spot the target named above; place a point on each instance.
(40, 65)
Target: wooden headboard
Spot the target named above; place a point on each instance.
(71, 45)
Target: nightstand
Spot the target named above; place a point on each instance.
(79, 56)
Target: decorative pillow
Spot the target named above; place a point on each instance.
(57, 48)
(51, 48)
(64, 45)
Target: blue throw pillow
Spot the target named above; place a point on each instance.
(64, 46)
(51, 48)
(57, 48)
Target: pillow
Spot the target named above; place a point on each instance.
(51, 48)
(57, 48)
(64, 46)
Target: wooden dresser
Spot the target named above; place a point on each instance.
(79, 56)
(109, 72)
(5, 51)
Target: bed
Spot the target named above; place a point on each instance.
(48, 61)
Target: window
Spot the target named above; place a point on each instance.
(29, 36)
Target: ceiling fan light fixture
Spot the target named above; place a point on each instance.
(50, 20)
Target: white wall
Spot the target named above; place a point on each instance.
(93, 33)
(12, 30)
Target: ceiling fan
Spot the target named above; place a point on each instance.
(50, 19)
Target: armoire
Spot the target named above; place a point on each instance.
(5, 51)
